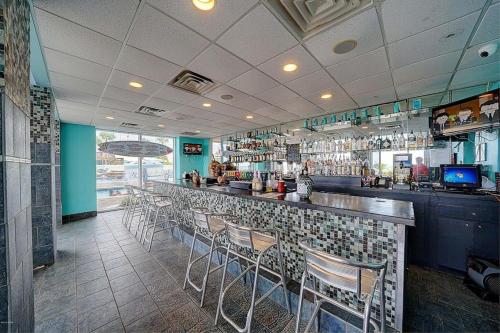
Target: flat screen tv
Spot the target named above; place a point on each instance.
(464, 176)
(193, 149)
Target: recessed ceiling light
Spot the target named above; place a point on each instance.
(110, 118)
(249, 116)
(296, 130)
(226, 97)
(197, 131)
(207, 105)
(161, 125)
(371, 132)
(364, 127)
(204, 4)
(326, 96)
(345, 46)
(135, 84)
(290, 67)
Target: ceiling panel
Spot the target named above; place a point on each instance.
(298, 56)
(301, 107)
(426, 86)
(162, 104)
(218, 64)
(109, 17)
(489, 27)
(427, 68)
(446, 38)
(476, 75)
(70, 65)
(74, 83)
(257, 37)
(121, 80)
(375, 97)
(276, 113)
(175, 95)
(117, 104)
(240, 99)
(74, 95)
(208, 23)
(86, 108)
(368, 64)
(312, 83)
(220, 108)
(278, 96)
(151, 67)
(471, 57)
(160, 35)
(62, 35)
(403, 18)
(74, 116)
(253, 82)
(336, 104)
(124, 95)
(367, 84)
(364, 28)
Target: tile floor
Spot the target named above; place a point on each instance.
(104, 281)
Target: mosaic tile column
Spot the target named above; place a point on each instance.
(16, 260)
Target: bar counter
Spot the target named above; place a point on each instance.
(354, 227)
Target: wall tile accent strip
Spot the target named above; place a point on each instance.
(347, 236)
(41, 105)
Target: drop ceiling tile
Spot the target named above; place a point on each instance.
(368, 64)
(277, 114)
(257, 37)
(218, 64)
(311, 83)
(433, 42)
(403, 18)
(109, 17)
(253, 82)
(218, 107)
(62, 35)
(489, 27)
(75, 117)
(364, 28)
(240, 99)
(337, 94)
(278, 96)
(426, 68)
(297, 55)
(301, 107)
(61, 103)
(385, 95)
(124, 95)
(149, 66)
(476, 75)
(117, 104)
(338, 104)
(208, 23)
(162, 104)
(73, 83)
(427, 86)
(471, 57)
(121, 80)
(160, 35)
(175, 95)
(70, 65)
(367, 84)
(74, 95)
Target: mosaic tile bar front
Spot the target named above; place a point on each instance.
(341, 234)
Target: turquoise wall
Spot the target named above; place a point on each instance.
(78, 169)
(186, 163)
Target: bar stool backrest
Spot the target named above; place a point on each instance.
(201, 216)
(240, 236)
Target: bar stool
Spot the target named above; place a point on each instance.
(258, 241)
(212, 225)
(128, 204)
(353, 276)
(158, 205)
(137, 207)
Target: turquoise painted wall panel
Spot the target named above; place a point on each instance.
(78, 169)
(186, 163)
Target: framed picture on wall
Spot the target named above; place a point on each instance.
(193, 149)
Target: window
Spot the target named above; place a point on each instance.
(114, 172)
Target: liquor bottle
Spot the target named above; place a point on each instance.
(412, 140)
(371, 143)
(395, 142)
(386, 143)
(430, 139)
(378, 143)
(420, 140)
(402, 141)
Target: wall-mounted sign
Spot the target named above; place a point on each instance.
(135, 148)
(193, 149)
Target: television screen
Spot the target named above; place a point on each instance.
(461, 176)
(193, 149)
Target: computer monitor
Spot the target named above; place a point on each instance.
(465, 176)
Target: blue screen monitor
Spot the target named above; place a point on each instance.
(466, 176)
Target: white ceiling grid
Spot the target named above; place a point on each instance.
(405, 48)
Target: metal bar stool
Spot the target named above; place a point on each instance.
(126, 208)
(213, 225)
(158, 205)
(256, 241)
(138, 206)
(360, 278)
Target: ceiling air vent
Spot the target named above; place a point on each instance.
(149, 111)
(308, 17)
(189, 133)
(192, 82)
(129, 125)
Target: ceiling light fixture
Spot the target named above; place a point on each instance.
(110, 118)
(326, 96)
(207, 105)
(161, 125)
(296, 130)
(345, 46)
(204, 4)
(364, 127)
(197, 131)
(290, 67)
(135, 84)
(249, 116)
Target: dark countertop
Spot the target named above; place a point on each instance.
(394, 211)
